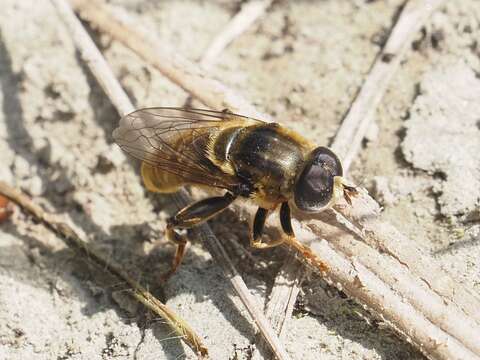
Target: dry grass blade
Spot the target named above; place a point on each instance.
(416, 292)
(94, 59)
(285, 292)
(71, 238)
(5, 209)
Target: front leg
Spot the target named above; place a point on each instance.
(286, 219)
(189, 216)
(259, 223)
(257, 231)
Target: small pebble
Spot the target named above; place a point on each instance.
(34, 186)
(37, 186)
(372, 132)
(382, 192)
(5, 208)
(112, 158)
(21, 167)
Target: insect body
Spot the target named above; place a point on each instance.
(264, 162)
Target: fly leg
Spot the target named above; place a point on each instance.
(286, 220)
(258, 225)
(189, 216)
(257, 230)
(181, 242)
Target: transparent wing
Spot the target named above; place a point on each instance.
(175, 139)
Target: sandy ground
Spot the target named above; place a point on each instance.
(302, 63)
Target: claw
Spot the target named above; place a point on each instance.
(342, 190)
(348, 193)
(261, 245)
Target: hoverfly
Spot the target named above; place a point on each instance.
(248, 158)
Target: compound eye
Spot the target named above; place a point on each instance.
(314, 187)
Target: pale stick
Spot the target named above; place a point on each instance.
(248, 14)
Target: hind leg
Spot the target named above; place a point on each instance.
(189, 216)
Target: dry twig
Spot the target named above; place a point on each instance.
(247, 15)
(355, 124)
(179, 70)
(112, 88)
(362, 284)
(400, 306)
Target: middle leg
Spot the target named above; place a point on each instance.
(286, 219)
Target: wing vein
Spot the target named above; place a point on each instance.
(175, 140)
